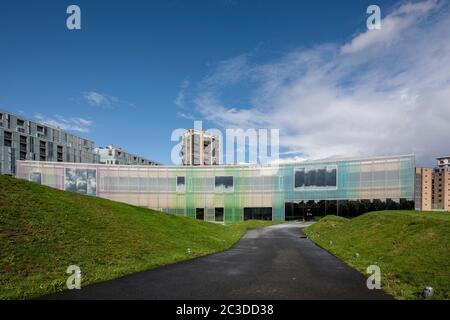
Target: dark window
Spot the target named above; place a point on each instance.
(224, 184)
(7, 139)
(20, 122)
(218, 214)
(200, 213)
(181, 184)
(258, 213)
(321, 177)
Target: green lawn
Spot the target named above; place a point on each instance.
(411, 248)
(43, 231)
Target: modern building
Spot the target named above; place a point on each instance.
(23, 139)
(116, 156)
(200, 148)
(232, 193)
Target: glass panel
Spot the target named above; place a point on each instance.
(36, 177)
(316, 178)
(181, 184)
(224, 184)
(83, 181)
(219, 214)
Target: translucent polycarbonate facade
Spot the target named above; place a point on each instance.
(231, 189)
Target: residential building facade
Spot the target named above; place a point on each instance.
(433, 187)
(23, 139)
(423, 199)
(232, 193)
(200, 148)
(441, 184)
(116, 156)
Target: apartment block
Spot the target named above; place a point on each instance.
(23, 139)
(441, 184)
(116, 156)
(423, 197)
(200, 148)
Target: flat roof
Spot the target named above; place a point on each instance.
(247, 166)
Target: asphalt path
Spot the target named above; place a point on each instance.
(276, 262)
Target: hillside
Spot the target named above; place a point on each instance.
(411, 248)
(43, 231)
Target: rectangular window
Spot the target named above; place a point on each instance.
(218, 215)
(36, 177)
(224, 184)
(324, 177)
(7, 139)
(181, 184)
(81, 180)
(200, 213)
(264, 213)
(20, 122)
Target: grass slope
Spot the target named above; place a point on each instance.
(43, 231)
(411, 248)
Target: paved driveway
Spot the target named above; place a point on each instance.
(270, 263)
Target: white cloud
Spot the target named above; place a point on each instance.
(179, 100)
(100, 99)
(382, 93)
(70, 124)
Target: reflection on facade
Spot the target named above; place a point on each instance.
(232, 193)
(83, 181)
(319, 177)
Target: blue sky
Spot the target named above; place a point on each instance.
(140, 69)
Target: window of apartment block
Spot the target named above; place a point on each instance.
(20, 122)
(1, 116)
(7, 139)
(181, 184)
